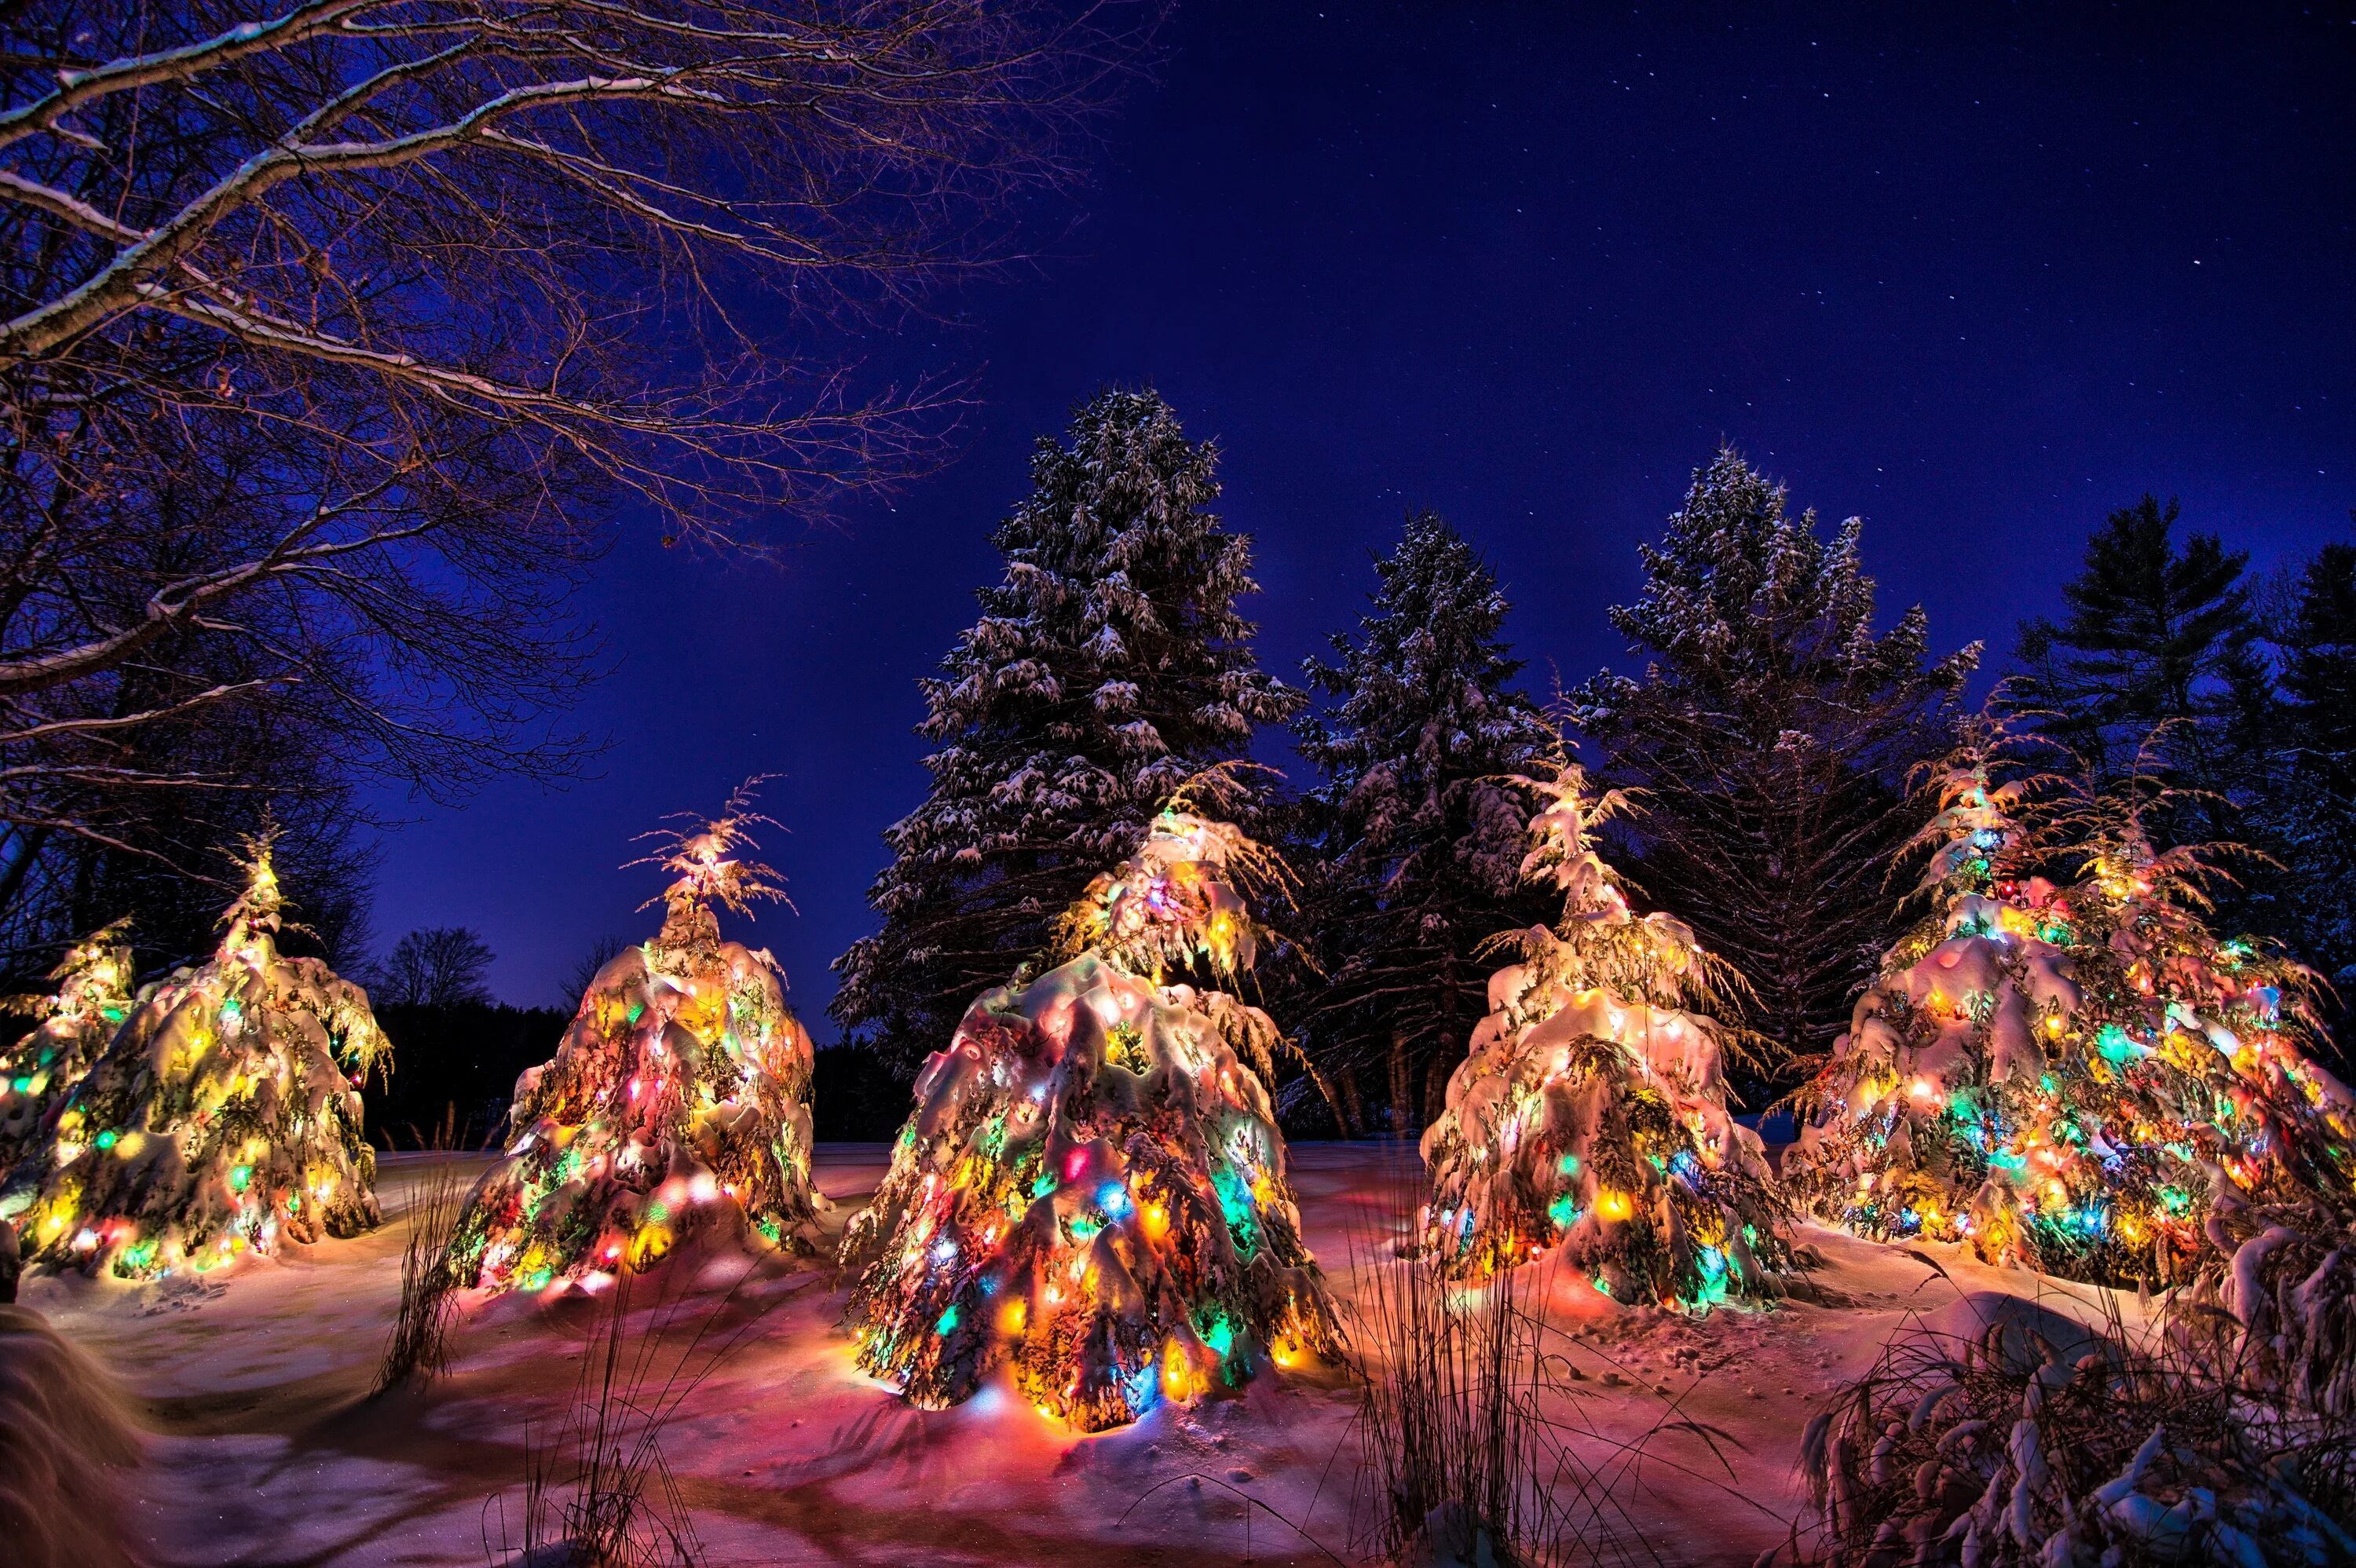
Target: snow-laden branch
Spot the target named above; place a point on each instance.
(79, 87)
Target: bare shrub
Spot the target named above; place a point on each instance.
(2023, 1436)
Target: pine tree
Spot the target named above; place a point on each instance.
(1092, 1188)
(2156, 634)
(2080, 1077)
(1773, 730)
(224, 1115)
(1108, 666)
(676, 1106)
(2320, 665)
(1591, 1117)
(78, 1018)
(1414, 837)
(2308, 819)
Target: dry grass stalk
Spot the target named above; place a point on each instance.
(597, 1491)
(1479, 1439)
(419, 1346)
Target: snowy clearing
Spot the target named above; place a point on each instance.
(267, 1451)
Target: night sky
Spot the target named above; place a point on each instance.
(1977, 274)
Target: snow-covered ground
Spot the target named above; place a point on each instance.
(268, 1452)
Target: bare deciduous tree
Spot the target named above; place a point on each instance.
(577, 980)
(329, 335)
(434, 966)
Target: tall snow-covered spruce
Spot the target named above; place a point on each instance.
(1773, 731)
(1591, 1117)
(676, 1106)
(2080, 1077)
(1411, 842)
(1092, 1188)
(1108, 666)
(224, 1115)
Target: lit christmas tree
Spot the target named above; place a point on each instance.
(678, 1102)
(1092, 1185)
(2083, 1078)
(92, 999)
(224, 1117)
(1591, 1117)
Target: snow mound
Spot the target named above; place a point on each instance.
(64, 1429)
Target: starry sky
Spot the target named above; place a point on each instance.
(1977, 274)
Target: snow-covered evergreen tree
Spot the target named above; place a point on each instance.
(2080, 1077)
(1108, 666)
(676, 1107)
(1413, 839)
(1773, 730)
(36, 1074)
(1592, 1116)
(1092, 1188)
(224, 1117)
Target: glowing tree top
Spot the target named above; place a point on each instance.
(676, 1105)
(223, 1117)
(1589, 1114)
(1092, 1188)
(2077, 1076)
(92, 998)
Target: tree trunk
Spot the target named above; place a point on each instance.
(1400, 1112)
(1435, 1084)
(1448, 1051)
(28, 846)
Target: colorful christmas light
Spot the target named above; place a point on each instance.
(676, 1105)
(38, 1074)
(1092, 1187)
(2099, 1085)
(224, 1117)
(1589, 1117)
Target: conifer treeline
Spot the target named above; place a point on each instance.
(1773, 724)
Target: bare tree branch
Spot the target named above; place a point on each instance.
(334, 333)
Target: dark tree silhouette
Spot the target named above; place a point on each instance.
(434, 966)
